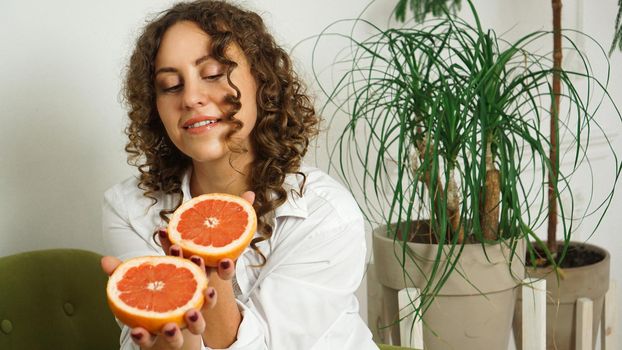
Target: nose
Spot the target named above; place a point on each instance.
(194, 95)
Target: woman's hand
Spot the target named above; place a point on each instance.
(171, 336)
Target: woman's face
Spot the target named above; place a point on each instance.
(191, 89)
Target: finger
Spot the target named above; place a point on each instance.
(210, 298)
(142, 337)
(109, 264)
(249, 196)
(164, 241)
(172, 335)
(226, 269)
(197, 260)
(175, 250)
(195, 322)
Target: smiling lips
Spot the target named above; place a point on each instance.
(199, 124)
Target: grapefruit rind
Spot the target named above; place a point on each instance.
(150, 320)
(210, 254)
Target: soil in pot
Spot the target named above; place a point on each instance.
(577, 255)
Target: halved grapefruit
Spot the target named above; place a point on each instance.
(151, 291)
(213, 226)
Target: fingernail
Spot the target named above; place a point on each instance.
(171, 332)
(175, 251)
(137, 336)
(162, 233)
(212, 293)
(196, 260)
(224, 264)
(194, 317)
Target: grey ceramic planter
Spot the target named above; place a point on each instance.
(474, 308)
(590, 281)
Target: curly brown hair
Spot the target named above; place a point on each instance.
(286, 119)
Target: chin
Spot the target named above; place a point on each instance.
(204, 151)
(207, 152)
(206, 157)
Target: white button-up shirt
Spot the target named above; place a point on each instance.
(303, 297)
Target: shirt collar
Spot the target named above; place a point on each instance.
(295, 205)
(185, 184)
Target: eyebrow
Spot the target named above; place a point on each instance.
(174, 70)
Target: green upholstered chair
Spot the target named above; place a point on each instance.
(55, 299)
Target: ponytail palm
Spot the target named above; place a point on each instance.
(421, 8)
(447, 123)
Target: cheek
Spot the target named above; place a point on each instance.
(170, 124)
(163, 111)
(249, 103)
(249, 116)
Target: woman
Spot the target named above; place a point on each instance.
(215, 106)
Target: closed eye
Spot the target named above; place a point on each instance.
(174, 88)
(213, 77)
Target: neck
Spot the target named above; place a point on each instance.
(221, 176)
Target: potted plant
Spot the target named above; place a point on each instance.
(572, 269)
(579, 269)
(444, 139)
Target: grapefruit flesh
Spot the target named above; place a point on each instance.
(213, 226)
(150, 292)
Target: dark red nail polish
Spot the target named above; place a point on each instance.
(196, 260)
(175, 252)
(194, 317)
(224, 265)
(212, 293)
(162, 233)
(171, 332)
(137, 336)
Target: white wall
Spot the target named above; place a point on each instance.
(61, 140)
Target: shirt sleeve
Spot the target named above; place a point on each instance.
(308, 301)
(120, 238)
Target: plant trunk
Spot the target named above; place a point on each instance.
(553, 156)
(453, 203)
(453, 207)
(489, 221)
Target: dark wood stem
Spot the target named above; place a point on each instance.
(553, 156)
